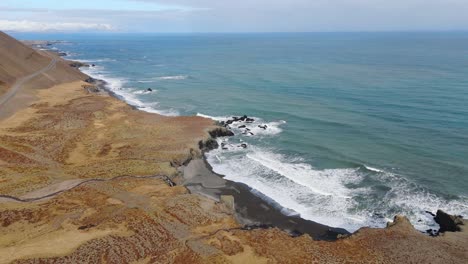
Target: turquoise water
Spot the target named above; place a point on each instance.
(361, 126)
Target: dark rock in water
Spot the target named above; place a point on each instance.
(243, 118)
(431, 213)
(149, 90)
(448, 222)
(229, 122)
(62, 54)
(249, 120)
(221, 132)
(379, 215)
(243, 126)
(243, 145)
(94, 65)
(264, 126)
(247, 129)
(432, 232)
(208, 145)
(90, 80)
(77, 64)
(251, 133)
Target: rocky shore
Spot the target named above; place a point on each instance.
(86, 178)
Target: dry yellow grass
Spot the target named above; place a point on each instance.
(71, 134)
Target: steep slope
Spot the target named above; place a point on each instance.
(18, 60)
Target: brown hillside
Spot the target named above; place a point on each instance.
(18, 60)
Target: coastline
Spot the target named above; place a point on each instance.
(98, 138)
(250, 210)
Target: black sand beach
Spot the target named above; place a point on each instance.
(250, 210)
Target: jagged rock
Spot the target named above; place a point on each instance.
(77, 64)
(90, 80)
(448, 222)
(221, 132)
(431, 232)
(149, 90)
(208, 144)
(401, 222)
(431, 213)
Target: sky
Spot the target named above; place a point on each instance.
(172, 16)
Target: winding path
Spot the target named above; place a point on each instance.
(50, 192)
(14, 89)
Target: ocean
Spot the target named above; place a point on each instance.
(360, 126)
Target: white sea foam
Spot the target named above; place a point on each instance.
(97, 60)
(215, 118)
(116, 85)
(318, 195)
(269, 128)
(328, 196)
(372, 169)
(413, 201)
(175, 77)
(144, 91)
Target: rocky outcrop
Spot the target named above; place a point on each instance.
(450, 223)
(77, 64)
(221, 132)
(236, 119)
(207, 145)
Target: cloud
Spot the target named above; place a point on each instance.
(253, 16)
(33, 26)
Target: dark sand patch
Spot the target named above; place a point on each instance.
(251, 210)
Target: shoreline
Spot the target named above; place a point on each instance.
(247, 205)
(249, 209)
